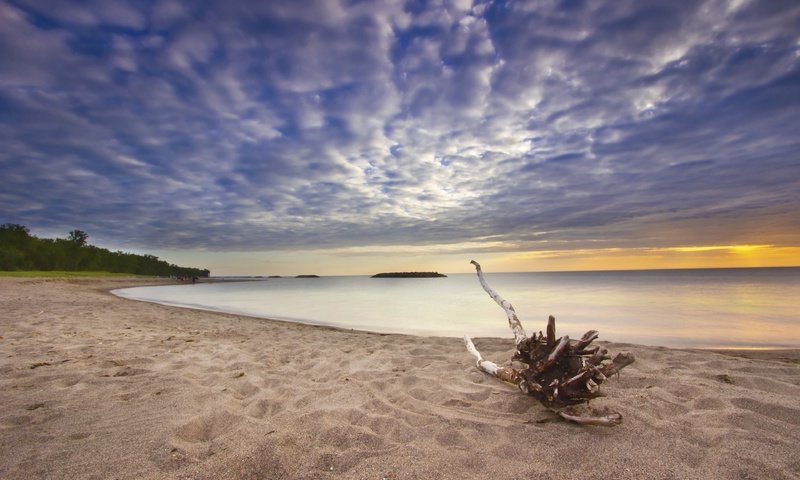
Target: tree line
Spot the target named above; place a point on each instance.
(19, 250)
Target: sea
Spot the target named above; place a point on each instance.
(693, 308)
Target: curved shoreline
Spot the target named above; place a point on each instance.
(351, 316)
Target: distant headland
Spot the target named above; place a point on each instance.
(307, 276)
(408, 275)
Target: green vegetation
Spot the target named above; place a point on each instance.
(26, 254)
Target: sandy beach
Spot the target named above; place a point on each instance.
(97, 387)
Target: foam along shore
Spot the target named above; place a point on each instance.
(96, 386)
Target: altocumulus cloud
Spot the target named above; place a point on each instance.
(269, 125)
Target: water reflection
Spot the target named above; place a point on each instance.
(711, 308)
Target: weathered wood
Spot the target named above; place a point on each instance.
(513, 321)
(620, 361)
(609, 420)
(587, 338)
(551, 331)
(559, 372)
(503, 373)
(598, 356)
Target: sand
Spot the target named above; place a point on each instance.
(95, 386)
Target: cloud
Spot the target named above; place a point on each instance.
(331, 125)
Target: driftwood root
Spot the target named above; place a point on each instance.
(559, 372)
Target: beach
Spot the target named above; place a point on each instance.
(96, 386)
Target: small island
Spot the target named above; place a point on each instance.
(409, 275)
(307, 276)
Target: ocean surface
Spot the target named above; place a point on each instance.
(753, 308)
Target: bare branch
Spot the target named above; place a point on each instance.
(620, 361)
(551, 331)
(604, 421)
(513, 321)
(503, 373)
(587, 338)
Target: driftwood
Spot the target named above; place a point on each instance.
(559, 372)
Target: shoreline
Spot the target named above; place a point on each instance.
(87, 376)
(721, 348)
(737, 351)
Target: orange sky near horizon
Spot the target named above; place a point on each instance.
(368, 261)
(718, 256)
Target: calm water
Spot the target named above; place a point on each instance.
(681, 308)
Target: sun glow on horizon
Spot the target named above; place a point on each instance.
(695, 256)
(742, 249)
(455, 259)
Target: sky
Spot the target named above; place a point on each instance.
(352, 137)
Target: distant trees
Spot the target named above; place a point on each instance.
(13, 243)
(78, 237)
(19, 250)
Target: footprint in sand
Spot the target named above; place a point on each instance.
(16, 421)
(773, 411)
(208, 427)
(454, 402)
(709, 403)
(241, 389)
(264, 408)
(452, 438)
(130, 372)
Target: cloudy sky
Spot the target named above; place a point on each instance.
(283, 137)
